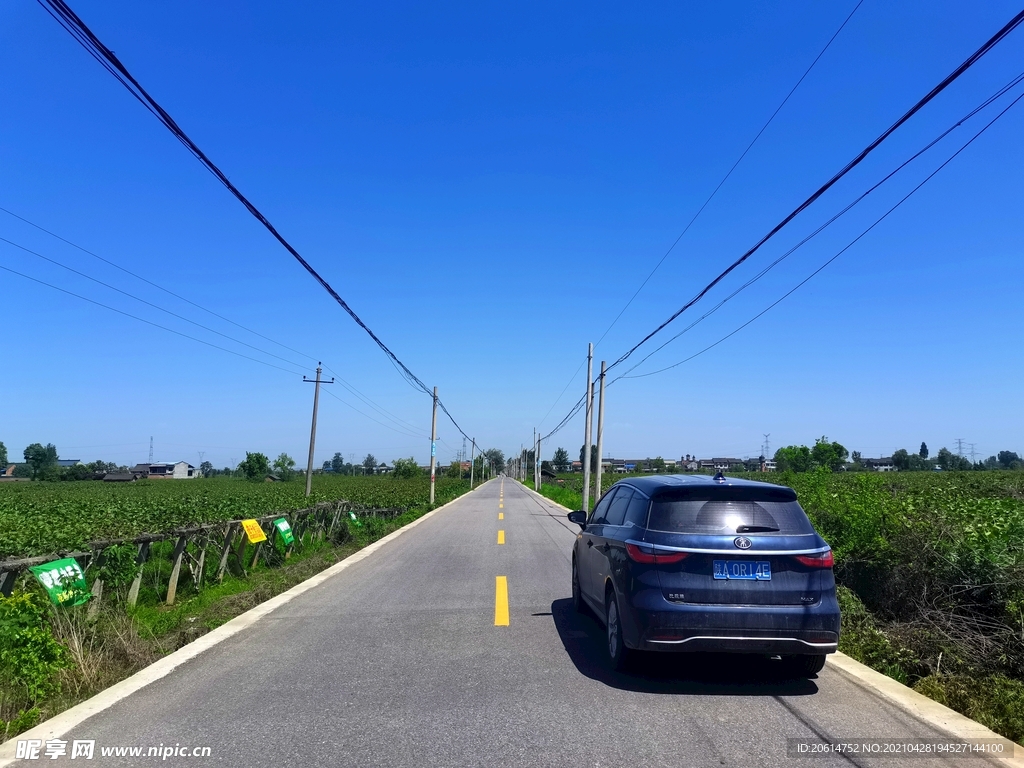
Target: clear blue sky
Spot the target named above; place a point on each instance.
(487, 186)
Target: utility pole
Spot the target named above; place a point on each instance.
(150, 449)
(536, 472)
(312, 430)
(433, 447)
(600, 435)
(472, 465)
(588, 427)
(534, 467)
(521, 474)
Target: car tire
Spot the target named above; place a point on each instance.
(577, 596)
(618, 653)
(805, 665)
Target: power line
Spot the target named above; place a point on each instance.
(147, 303)
(77, 28)
(143, 320)
(987, 102)
(384, 412)
(833, 258)
(153, 284)
(969, 62)
(709, 199)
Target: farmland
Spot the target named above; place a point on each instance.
(42, 518)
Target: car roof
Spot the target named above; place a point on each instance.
(655, 484)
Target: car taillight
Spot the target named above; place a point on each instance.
(654, 557)
(824, 560)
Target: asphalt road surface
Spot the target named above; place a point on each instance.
(407, 659)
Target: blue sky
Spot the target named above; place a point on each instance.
(487, 187)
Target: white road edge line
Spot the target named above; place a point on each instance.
(916, 704)
(58, 725)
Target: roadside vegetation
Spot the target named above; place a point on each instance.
(52, 658)
(931, 573)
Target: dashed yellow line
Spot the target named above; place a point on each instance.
(501, 602)
(501, 537)
(501, 515)
(501, 506)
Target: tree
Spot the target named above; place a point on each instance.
(828, 454)
(1008, 460)
(41, 459)
(793, 458)
(369, 464)
(657, 464)
(284, 466)
(206, 468)
(3, 455)
(406, 468)
(327, 467)
(561, 460)
(855, 457)
(951, 462)
(901, 459)
(923, 451)
(337, 463)
(496, 457)
(454, 470)
(255, 467)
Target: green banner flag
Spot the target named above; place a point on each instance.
(285, 530)
(63, 580)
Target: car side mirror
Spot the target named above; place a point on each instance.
(579, 517)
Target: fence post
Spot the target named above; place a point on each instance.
(179, 552)
(229, 537)
(140, 560)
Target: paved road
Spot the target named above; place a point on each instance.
(397, 661)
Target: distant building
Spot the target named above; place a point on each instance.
(179, 470)
(68, 462)
(880, 465)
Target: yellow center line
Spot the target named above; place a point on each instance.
(501, 537)
(501, 506)
(501, 515)
(501, 602)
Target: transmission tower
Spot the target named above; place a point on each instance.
(765, 448)
(150, 449)
(960, 447)
(973, 453)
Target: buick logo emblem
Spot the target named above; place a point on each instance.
(742, 542)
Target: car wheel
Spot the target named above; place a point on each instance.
(806, 665)
(577, 598)
(618, 654)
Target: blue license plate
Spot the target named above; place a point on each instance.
(750, 570)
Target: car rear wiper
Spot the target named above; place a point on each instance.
(756, 529)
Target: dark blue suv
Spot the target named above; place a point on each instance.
(699, 563)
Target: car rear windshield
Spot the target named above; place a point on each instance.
(730, 511)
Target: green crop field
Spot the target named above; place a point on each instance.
(41, 518)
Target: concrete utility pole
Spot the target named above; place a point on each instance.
(533, 469)
(521, 474)
(600, 435)
(433, 447)
(472, 467)
(312, 430)
(588, 428)
(536, 472)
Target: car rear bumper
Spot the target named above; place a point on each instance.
(766, 629)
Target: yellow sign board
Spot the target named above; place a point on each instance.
(253, 531)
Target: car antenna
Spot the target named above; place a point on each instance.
(719, 478)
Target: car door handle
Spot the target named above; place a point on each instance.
(590, 543)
